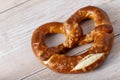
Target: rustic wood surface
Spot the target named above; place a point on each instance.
(18, 20)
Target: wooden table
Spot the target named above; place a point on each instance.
(18, 20)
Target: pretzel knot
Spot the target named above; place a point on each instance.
(55, 58)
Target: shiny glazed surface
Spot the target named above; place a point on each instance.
(55, 58)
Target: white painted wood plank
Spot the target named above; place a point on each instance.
(6, 5)
(108, 71)
(17, 25)
(13, 66)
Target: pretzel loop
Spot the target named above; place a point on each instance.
(72, 33)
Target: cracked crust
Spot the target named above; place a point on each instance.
(55, 58)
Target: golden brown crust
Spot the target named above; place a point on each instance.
(101, 35)
(38, 40)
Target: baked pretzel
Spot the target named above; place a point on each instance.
(101, 35)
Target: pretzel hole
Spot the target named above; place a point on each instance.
(87, 26)
(78, 49)
(54, 39)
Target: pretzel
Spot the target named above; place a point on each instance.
(55, 58)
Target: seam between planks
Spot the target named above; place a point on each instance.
(33, 73)
(14, 6)
(46, 68)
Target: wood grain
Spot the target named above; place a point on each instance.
(17, 23)
(6, 5)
